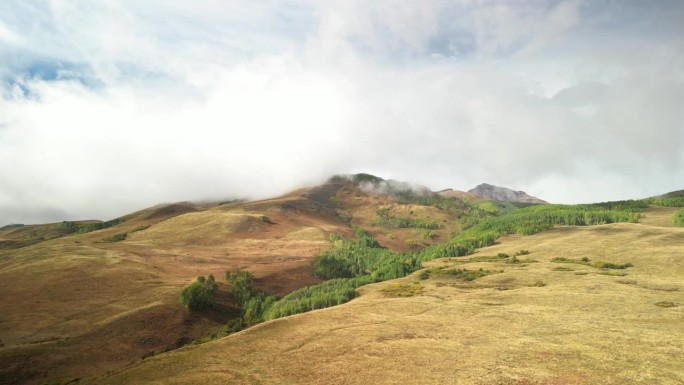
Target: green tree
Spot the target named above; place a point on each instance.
(241, 286)
(254, 303)
(200, 294)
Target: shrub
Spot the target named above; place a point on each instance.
(612, 274)
(140, 228)
(335, 237)
(234, 325)
(402, 290)
(115, 238)
(678, 218)
(609, 265)
(596, 264)
(468, 275)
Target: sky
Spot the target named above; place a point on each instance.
(112, 106)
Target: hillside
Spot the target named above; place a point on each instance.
(504, 194)
(82, 305)
(531, 322)
(94, 297)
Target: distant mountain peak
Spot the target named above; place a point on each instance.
(375, 185)
(504, 194)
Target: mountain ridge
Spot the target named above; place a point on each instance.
(504, 194)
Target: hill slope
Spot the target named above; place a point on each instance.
(85, 303)
(531, 322)
(92, 297)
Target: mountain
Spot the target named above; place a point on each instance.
(466, 196)
(504, 194)
(94, 299)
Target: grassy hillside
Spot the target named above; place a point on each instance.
(91, 297)
(85, 303)
(533, 321)
(87, 298)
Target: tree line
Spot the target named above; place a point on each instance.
(72, 227)
(527, 221)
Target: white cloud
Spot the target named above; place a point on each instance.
(114, 106)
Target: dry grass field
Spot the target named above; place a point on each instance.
(532, 322)
(76, 306)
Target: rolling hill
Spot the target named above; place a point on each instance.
(91, 296)
(98, 301)
(532, 322)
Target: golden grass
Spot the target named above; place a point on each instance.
(307, 234)
(505, 328)
(658, 216)
(78, 306)
(403, 290)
